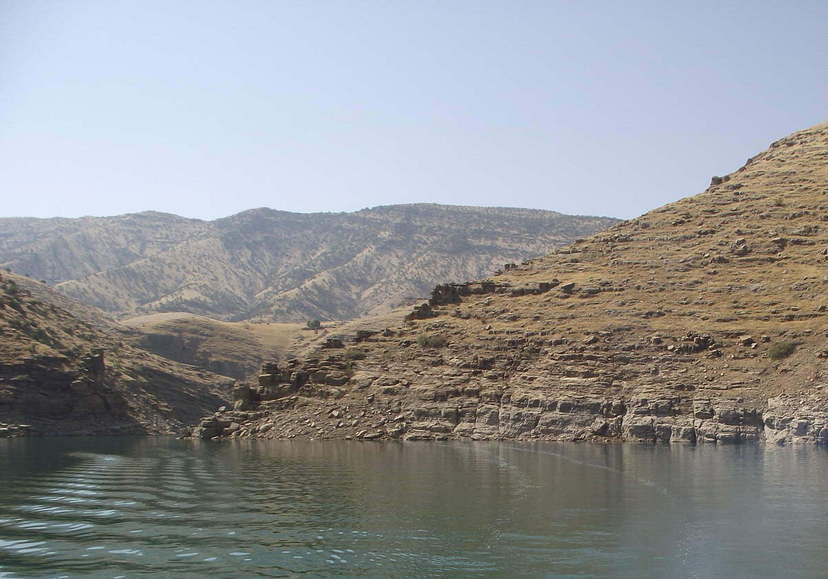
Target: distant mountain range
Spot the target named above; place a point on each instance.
(275, 265)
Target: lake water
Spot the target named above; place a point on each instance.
(139, 507)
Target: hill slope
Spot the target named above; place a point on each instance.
(704, 320)
(274, 265)
(235, 349)
(66, 369)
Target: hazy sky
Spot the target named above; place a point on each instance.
(206, 108)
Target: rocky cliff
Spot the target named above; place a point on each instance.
(701, 321)
(274, 265)
(66, 369)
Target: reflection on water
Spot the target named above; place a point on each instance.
(162, 507)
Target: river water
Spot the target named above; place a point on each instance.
(156, 507)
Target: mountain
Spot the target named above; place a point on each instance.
(67, 369)
(274, 265)
(705, 320)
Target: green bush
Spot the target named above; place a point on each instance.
(781, 350)
(314, 324)
(431, 341)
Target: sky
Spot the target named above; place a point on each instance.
(206, 108)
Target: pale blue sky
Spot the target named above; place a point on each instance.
(206, 108)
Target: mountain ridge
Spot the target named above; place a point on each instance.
(276, 265)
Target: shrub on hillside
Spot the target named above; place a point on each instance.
(781, 350)
(355, 355)
(431, 341)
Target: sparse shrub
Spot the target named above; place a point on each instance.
(781, 350)
(314, 324)
(355, 355)
(12, 301)
(431, 341)
(40, 335)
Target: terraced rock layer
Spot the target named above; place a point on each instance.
(701, 321)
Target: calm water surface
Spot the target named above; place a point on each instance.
(169, 508)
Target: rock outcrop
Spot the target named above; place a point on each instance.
(701, 321)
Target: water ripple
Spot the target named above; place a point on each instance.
(156, 507)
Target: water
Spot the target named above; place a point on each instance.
(169, 508)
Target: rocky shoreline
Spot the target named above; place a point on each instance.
(291, 403)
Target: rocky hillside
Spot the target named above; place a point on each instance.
(704, 320)
(278, 266)
(66, 369)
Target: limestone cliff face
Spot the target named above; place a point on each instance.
(65, 372)
(274, 265)
(702, 321)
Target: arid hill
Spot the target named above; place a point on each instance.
(277, 266)
(67, 369)
(703, 320)
(235, 349)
